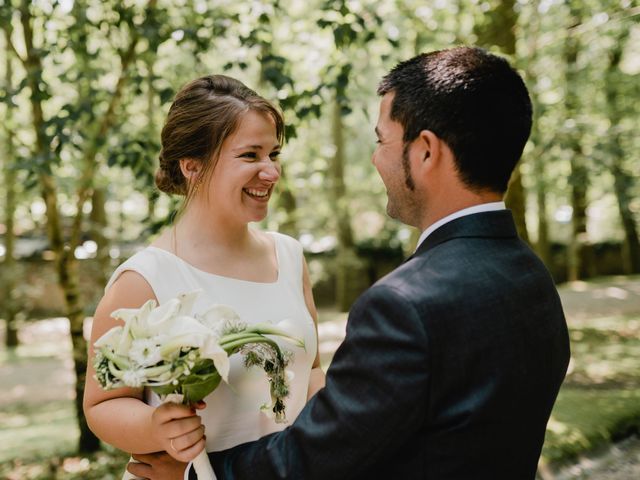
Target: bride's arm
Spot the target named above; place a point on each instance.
(120, 417)
(317, 378)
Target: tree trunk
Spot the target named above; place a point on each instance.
(578, 262)
(152, 195)
(346, 260)
(67, 267)
(99, 224)
(9, 265)
(497, 28)
(537, 155)
(623, 182)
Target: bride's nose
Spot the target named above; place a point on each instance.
(270, 173)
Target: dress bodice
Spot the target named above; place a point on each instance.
(233, 415)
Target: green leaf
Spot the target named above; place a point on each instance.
(196, 387)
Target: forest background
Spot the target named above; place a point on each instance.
(85, 86)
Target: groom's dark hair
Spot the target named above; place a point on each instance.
(471, 99)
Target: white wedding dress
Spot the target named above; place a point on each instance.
(232, 415)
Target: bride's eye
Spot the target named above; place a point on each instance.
(275, 155)
(251, 155)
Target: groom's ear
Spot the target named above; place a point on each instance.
(427, 150)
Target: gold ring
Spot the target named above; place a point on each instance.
(171, 443)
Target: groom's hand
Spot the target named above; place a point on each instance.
(157, 466)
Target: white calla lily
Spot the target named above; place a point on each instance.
(110, 338)
(160, 319)
(187, 301)
(124, 343)
(211, 349)
(217, 316)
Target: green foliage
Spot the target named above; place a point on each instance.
(305, 55)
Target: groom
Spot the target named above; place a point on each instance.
(451, 363)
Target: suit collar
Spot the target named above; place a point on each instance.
(496, 224)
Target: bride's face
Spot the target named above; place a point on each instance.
(247, 170)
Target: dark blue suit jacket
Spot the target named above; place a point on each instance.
(449, 370)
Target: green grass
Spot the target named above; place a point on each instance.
(584, 419)
(29, 432)
(600, 399)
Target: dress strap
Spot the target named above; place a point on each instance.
(290, 257)
(149, 264)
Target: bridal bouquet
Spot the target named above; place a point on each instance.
(183, 357)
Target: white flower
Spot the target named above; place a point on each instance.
(134, 378)
(161, 319)
(151, 320)
(187, 300)
(211, 349)
(185, 332)
(110, 338)
(145, 352)
(218, 317)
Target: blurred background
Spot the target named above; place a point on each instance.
(84, 89)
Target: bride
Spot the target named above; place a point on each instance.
(220, 148)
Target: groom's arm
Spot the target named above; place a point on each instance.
(376, 394)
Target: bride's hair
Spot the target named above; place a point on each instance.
(203, 114)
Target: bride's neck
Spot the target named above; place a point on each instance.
(199, 229)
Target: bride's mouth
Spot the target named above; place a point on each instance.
(258, 193)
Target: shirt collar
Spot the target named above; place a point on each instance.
(485, 207)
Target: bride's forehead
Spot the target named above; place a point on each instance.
(254, 129)
(256, 122)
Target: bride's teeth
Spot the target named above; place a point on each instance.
(257, 193)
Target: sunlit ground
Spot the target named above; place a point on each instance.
(599, 402)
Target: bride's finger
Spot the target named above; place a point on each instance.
(187, 440)
(180, 427)
(189, 453)
(171, 411)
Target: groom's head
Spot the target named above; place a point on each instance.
(474, 102)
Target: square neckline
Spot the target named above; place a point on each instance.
(225, 277)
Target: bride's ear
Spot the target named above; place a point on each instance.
(190, 168)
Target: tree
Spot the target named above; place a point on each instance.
(579, 249)
(9, 275)
(623, 181)
(497, 28)
(86, 146)
(537, 156)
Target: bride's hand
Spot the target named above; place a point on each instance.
(179, 430)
